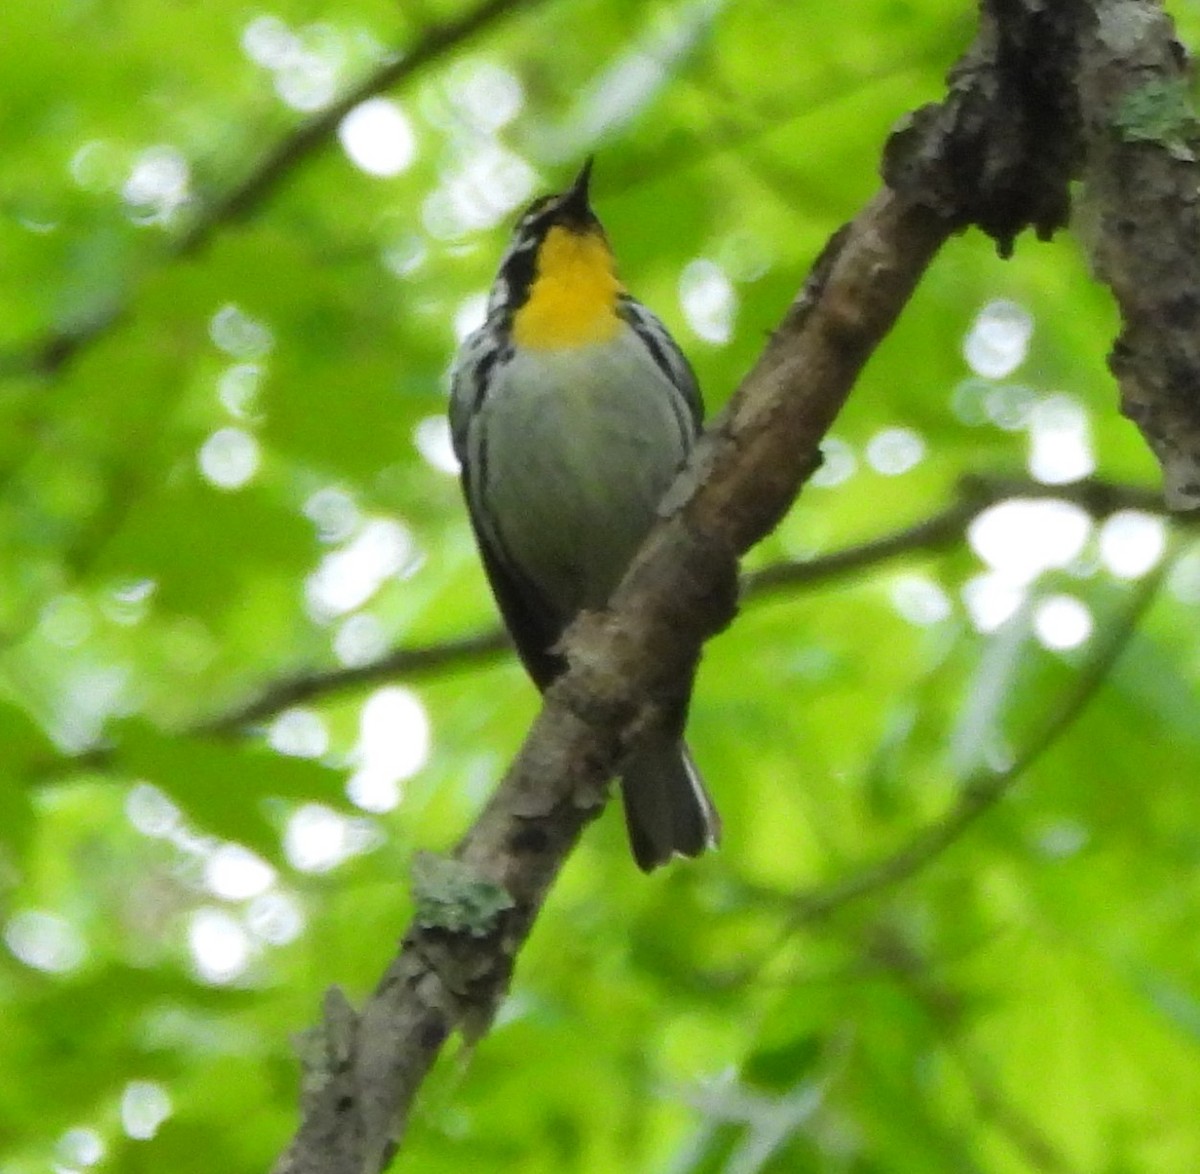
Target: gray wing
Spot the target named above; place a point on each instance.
(535, 625)
(468, 384)
(663, 349)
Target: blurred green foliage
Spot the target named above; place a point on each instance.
(222, 465)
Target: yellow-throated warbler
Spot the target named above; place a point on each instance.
(572, 410)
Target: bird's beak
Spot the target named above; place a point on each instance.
(576, 198)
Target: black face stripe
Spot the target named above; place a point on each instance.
(518, 268)
(518, 271)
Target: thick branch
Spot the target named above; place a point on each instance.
(1140, 220)
(747, 470)
(956, 166)
(1098, 89)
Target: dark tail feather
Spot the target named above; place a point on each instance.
(667, 810)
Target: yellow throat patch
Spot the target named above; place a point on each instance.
(573, 298)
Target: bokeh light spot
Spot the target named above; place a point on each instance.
(219, 945)
(145, 1105)
(1010, 405)
(998, 340)
(334, 512)
(1132, 543)
(238, 334)
(234, 873)
(157, 185)
(268, 42)
(128, 601)
(318, 839)
(488, 185)
(346, 578)
(1061, 622)
(229, 458)
(708, 299)
(44, 941)
(307, 81)
(1060, 448)
(150, 811)
(79, 1148)
(432, 438)
(838, 464)
(1022, 538)
(275, 918)
(299, 733)
(378, 138)
(894, 451)
(968, 401)
(1184, 579)
(1062, 839)
(359, 639)
(920, 600)
(991, 600)
(470, 315)
(486, 95)
(237, 389)
(393, 744)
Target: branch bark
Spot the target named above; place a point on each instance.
(999, 152)
(747, 470)
(1140, 221)
(678, 592)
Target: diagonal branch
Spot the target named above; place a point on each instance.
(747, 469)
(999, 152)
(280, 162)
(364, 1071)
(51, 353)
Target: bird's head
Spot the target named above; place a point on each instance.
(558, 278)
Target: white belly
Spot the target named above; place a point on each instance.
(580, 448)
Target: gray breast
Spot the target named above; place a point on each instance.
(580, 445)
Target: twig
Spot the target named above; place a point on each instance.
(448, 655)
(983, 788)
(940, 531)
(53, 351)
(944, 1007)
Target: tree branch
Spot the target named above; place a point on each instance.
(749, 466)
(51, 353)
(940, 531)
(678, 592)
(998, 152)
(983, 788)
(1139, 220)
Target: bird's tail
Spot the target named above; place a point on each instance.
(667, 810)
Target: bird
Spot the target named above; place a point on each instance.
(572, 409)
